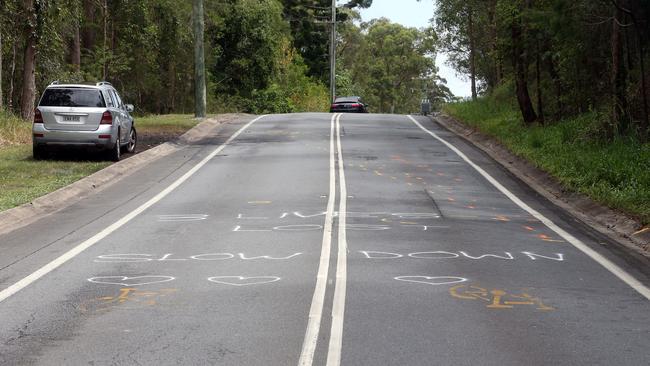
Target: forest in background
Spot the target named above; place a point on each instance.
(558, 58)
(561, 83)
(262, 56)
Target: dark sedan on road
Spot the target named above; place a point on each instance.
(349, 104)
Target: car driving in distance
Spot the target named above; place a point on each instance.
(84, 116)
(349, 104)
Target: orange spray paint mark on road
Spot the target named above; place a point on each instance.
(497, 298)
(548, 238)
(127, 298)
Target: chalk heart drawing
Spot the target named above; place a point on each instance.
(243, 281)
(433, 281)
(131, 281)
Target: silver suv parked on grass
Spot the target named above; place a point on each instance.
(78, 115)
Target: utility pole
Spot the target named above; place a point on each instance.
(333, 54)
(199, 60)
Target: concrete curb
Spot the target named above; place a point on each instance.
(53, 202)
(619, 227)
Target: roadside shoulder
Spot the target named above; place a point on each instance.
(619, 227)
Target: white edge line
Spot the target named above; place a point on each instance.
(11, 290)
(600, 259)
(318, 299)
(338, 306)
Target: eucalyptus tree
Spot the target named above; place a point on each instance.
(458, 28)
(309, 21)
(391, 63)
(246, 43)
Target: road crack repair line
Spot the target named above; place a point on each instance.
(597, 257)
(56, 263)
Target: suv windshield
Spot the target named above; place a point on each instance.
(61, 97)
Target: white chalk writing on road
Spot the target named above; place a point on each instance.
(129, 281)
(243, 281)
(441, 254)
(432, 280)
(142, 258)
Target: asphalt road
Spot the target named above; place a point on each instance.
(316, 239)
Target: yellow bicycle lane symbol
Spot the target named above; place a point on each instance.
(497, 299)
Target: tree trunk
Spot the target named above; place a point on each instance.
(171, 106)
(623, 9)
(645, 121)
(76, 48)
(521, 79)
(1, 96)
(105, 40)
(618, 79)
(472, 52)
(550, 65)
(494, 41)
(88, 30)
(628, 41)
(540, 102)
(12, 77)
(29, 64)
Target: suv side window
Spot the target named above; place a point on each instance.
(118, 101)
(110, 103)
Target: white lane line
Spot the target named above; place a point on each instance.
(318, 299)
(338, 306)
(11, 290)
(609, 265)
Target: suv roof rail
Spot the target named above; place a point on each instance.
(104, 83)
(55, 82)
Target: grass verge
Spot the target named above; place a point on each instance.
(613, 173)
(23, 179)
(170, 123)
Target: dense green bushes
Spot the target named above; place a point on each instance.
(145, 49)
(561, 58)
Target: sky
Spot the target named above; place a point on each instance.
(412, 13)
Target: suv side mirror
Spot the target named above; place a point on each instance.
(129, 108)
